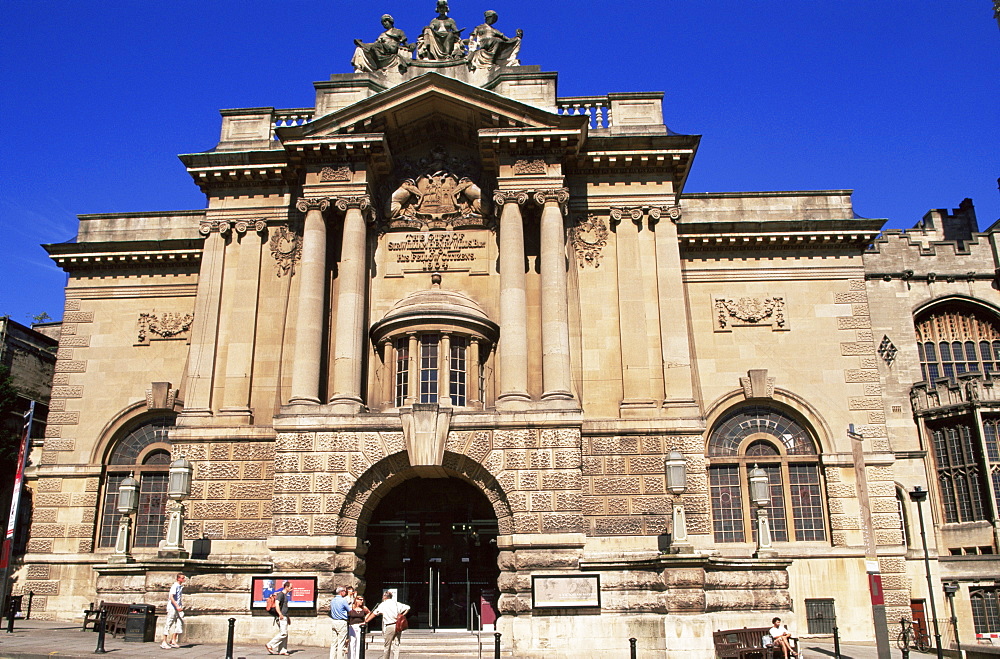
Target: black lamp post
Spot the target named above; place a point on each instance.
(918, 495)
(949, 591)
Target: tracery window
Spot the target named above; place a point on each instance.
(966, 469)
(783, 448)
(985, 609)
(953, 340)
(143, 452)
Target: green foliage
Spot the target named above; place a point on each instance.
(10, 435)
(40, 317)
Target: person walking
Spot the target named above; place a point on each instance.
(355, 618)
(174, 626)
(390, 610)
(279, 644)
(339, 608)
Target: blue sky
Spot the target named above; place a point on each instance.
(897, 101)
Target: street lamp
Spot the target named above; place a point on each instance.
(949, 591)
(128, 503)
(178, 489)
(918, 495)
(677, 484)
(760, 495)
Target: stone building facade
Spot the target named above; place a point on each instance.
(442, 333)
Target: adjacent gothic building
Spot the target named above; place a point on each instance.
(452, 334)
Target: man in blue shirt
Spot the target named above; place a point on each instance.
(339, 606)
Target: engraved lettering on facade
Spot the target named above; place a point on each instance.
(436, 252)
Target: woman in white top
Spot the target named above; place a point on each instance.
(781, 638)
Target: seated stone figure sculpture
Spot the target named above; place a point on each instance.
(489, 46)
(441, 40)
(389, 50)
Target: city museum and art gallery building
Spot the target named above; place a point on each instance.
(447, 332)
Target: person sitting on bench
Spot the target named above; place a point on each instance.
(781, 638)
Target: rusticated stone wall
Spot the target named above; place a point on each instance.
(232, 490)
(624, 488)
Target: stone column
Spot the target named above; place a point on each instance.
(312, 307)
(472, 375)
(555, 305)
(201, 356)
(413, 373)
(388, 374)
(444, 369)
(350, 320)
(513, 346)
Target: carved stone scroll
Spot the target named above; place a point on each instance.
(524, 167)
(750, 312)
(342, 173)
(152, 327)
(306, 204)
(519, 197)
(558, 195)
(589, 238)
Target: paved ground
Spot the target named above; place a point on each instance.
(34, 639)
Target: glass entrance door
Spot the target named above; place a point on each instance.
(434, 542)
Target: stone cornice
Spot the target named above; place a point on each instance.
(151, 253)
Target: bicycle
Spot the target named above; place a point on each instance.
(911, 636)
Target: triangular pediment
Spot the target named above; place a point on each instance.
(436, 100)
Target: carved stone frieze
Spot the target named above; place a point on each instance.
(168, 325)
(341, 173)
(306, 204)
(750, 312)
(286, 248)
(440, 200)
(589, 238)
(524, 167)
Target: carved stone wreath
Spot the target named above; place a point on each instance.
(286, 248)
(589, 238)
(750, 312)
(163, 326)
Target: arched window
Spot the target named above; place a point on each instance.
(144, 452)
(956, 339)
(784, 449)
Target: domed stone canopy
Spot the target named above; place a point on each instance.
(436, 309)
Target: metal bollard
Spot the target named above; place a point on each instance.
(631, 642)
(101, 624)
(496, 647)
(229, 642)
(836, 642)
(906, 653)
(10, 614)
(31, 596)
(363, 630)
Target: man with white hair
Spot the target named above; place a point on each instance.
(390, 610)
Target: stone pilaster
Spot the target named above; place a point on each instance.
(201, 360)
(513, 346)
(350, 320)
(241, 332)
(312, 289)
(555, 307)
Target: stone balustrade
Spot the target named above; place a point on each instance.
(970, 388)
(291, 117)
(596, 108)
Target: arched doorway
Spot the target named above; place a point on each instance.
(434, 540)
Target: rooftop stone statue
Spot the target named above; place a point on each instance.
(490, 47)
(441, 40)
(389, 50)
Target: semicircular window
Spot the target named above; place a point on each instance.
(151, 468)
(753, 436)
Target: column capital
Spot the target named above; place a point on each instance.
(306, 204)
(501, 197)
(223, 227)
(557, 195)
(673, 212)
(360, 202)
(634, 213)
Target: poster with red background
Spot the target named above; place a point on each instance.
(302, 595)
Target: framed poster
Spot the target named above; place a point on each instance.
(560, 591)
(302, 596)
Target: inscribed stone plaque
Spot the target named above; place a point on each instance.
(564, 591)
(437, 251)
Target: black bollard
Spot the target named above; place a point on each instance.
(631, 643)
(906, 652)
(363, 630)
(31, 596)
(101, 624)
(836, 642)
(496, 647)
(10, 614)
(229, 642)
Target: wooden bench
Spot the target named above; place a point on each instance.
(746, 644)
(117, 616)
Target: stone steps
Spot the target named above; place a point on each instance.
(447, 644)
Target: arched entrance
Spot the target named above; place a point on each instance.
(434, 540)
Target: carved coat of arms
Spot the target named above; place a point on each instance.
(436, 201)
